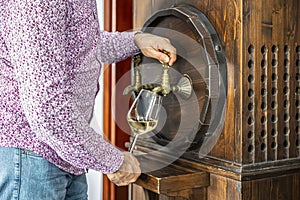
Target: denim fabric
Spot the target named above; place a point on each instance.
(25, 175)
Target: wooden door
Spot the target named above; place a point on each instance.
(117, 17)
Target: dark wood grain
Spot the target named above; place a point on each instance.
(257, 154)
(111, 130)
(170, 180)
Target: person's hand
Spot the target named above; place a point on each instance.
(153, 45)
(128, 172)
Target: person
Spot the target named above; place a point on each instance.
(51, 53)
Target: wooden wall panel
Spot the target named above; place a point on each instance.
(283, 187)
(142, 10)
(217, 188)
(254, 34)
(221, 16)
(222, 188)
(269, 34)
(277, 188)
(261, 135)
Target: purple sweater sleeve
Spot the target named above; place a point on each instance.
(116, 46)
(37, 46)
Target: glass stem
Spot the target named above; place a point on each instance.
(133, 143)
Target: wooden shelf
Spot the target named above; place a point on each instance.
(170, 179)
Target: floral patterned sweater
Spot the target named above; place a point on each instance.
(51, 54)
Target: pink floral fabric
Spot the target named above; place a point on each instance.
(51, 53)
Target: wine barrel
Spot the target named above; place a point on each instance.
(186, 122)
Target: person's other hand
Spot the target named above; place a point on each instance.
(153, 45)
(128, 172)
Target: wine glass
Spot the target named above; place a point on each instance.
(142, 116)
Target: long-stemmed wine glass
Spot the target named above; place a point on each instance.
(142, 116)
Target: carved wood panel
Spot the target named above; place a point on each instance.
(258, 154)
(261, 43)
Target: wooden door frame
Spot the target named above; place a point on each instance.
(117, 17)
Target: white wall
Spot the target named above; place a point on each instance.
(95, 178)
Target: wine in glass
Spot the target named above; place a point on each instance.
(142, 116)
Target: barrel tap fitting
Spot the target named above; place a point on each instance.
(183, 87)
(165, 87)
(136, 87)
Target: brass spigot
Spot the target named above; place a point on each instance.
(182, 88)
(165, 79)
(137, 85)
(165, 87)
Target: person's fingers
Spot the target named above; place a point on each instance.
(123, 179)
(173, 57)
(162, 57)
(129, 171)
(170, 50)
(153, 53)
(153, 46)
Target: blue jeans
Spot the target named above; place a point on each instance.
(25, 175)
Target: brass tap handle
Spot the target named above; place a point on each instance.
(137, 77)
(165, 52)
(137, 83)
(182, 88)
(165, 79)
(137, 60)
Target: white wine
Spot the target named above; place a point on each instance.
(142, 126)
